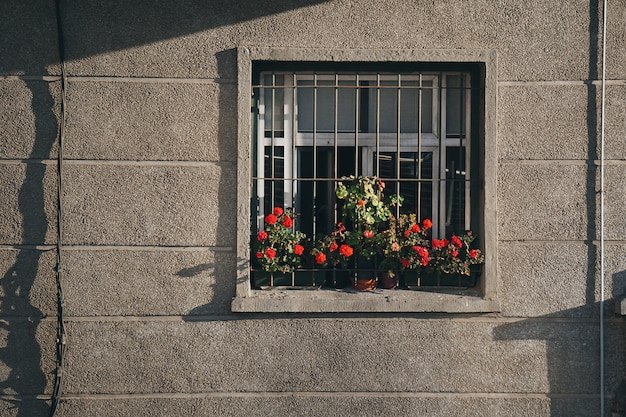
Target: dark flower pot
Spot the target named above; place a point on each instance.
(388, 280)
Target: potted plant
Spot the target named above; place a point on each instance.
(364, 211)
(454, 257)
(405, 247)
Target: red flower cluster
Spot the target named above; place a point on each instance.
(346, 251)
(320, 258)
(278, 247)
(368, 234)
(440, 243)
(455, 256)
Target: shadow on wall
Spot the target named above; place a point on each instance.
(96, 27)
(22, 353)
(93, 27)
(573, 369)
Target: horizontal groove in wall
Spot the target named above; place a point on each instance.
(562, 162)
(148, 248)
(174, 80)
(385, 317)
(560, 242)
(43, 248)
(30, 78)
(150, 80)
(28, 161)
(138, 163)
(29, 319)
(557, 83)
(323, 394)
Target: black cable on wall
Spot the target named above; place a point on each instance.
(61, 336)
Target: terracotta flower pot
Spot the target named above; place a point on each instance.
(365, 284)
(364, 274)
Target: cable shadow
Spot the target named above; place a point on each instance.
(22, 352)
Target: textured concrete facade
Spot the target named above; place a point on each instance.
(120, 168)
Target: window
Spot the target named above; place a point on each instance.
(419, 126)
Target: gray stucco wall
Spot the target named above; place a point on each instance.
(147, 221)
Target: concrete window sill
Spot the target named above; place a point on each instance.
(283, 300)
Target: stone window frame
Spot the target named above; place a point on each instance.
(481, 299)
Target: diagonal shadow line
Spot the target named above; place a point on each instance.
(111, 28)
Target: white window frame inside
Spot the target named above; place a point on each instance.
(482, 299)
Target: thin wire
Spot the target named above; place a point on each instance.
(61, 336)
(602, 388)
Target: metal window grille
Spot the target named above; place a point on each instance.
(412, 129)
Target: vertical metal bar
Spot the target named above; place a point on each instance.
(468, 148)
(294, 131)
(260, 155)
(419, 148)
(356, 125)
(273, 140)
(272, 154)
(335, 145)
(377, 124)
(398, 128)
(442, 154)
(314, 154)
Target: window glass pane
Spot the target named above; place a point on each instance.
(316, 199)
(325, 113)
(427, 107)
(274, 105)
(454, 105)
(409, 107)
(274, 189)
(456, 183)
(418, 194)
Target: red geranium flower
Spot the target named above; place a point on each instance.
(346, 251)
(405, 263)
(368, 234)
(270, 253)
(415, 228)
(361, 203)
(457, 242)
(298, 249)
(455, 253)
(287, 221)
(407, 233)
(439, 243)
(427, 224)
(320, 258)
(333, 247)
(270, 219)
(259, 255)
(424, 261)
(473, 253)
(278, 211)
(261, 236)
(421, 251)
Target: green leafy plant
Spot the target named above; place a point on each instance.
(365, 211)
